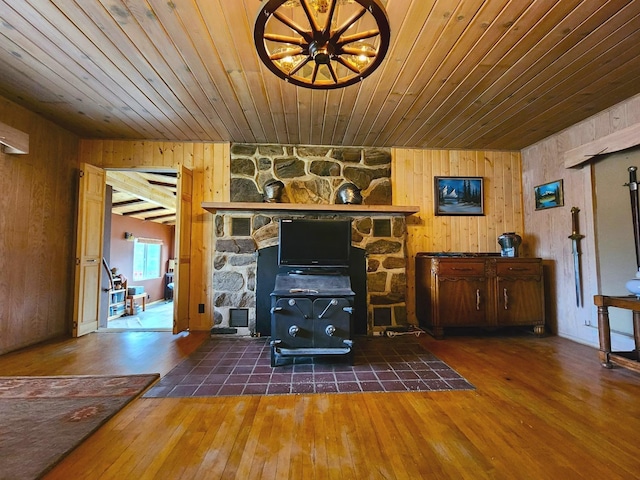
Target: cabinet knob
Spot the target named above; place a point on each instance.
(506, 299)
(478, 299)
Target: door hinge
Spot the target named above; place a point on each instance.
(81, 173)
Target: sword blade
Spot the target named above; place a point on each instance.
(575, 239)
(576, 272)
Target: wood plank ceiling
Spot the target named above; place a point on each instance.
(493, 74)
(147, 196)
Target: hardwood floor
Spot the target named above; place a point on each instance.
(543, 408)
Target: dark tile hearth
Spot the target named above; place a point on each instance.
(241, 366)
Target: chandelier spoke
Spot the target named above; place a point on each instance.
(359, 51)
(333, 73)
(357, 37)
(315, 28)
(351, 67)
(284, 39)
(348, 24)
(299, 66)
(285, 53)
(316, 67)
(332, 11)
(293, 26)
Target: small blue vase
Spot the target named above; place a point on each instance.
(633, 285)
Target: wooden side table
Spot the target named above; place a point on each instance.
(630, 360)
(131, 304)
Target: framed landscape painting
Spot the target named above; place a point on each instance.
(549, 195)
(459, 196)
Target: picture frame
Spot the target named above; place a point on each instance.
(549, 195)
(463, 196)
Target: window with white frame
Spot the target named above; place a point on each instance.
(147, 257)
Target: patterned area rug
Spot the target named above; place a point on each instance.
(241, 366)
(43, 418)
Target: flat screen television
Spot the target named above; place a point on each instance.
(314, 243)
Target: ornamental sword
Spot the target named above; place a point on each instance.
(635, 211)
(575, 239)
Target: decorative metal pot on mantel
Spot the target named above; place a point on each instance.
(273, 191)
(349, 194)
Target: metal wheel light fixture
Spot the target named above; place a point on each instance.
(322, 44)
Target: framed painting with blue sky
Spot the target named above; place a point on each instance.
(549, 195)
(459, 196)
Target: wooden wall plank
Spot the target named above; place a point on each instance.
(37, 213)
(413, 173)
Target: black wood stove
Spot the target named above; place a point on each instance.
(311, 314)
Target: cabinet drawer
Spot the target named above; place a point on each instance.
(518, 268)
(461, 268)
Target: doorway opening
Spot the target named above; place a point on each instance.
(139, 250)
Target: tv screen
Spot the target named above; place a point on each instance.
(314, 243)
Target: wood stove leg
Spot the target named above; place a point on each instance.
(604, 333)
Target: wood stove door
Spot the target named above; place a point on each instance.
(332, 325)
(292, 322)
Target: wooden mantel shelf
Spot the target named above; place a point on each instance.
(214, 207)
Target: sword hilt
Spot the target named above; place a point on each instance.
(574, 224)
(633, 182)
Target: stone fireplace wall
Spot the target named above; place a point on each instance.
(235, 265)
(311, 175)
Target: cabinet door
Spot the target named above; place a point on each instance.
(462, 301)
(520, 301)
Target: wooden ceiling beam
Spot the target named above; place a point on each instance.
(155, 218)
(614, 142)
(141, 212)
(131, 183)
(13, 140)
(127, 203)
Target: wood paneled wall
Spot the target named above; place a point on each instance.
(210, 165)
(37, 215)
(413, 173)
(543, 162)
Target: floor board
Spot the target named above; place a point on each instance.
(542, 408)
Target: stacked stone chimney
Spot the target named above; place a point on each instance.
(311, 175)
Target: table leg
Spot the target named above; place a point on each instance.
(636, 330)
(604, 332)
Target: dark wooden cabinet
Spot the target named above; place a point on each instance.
(478, 291)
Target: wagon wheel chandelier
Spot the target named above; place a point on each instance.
(322, 44)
